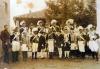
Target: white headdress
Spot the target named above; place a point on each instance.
(70, 21)
(80, 27)
(53, 21)
(22, 22)
(89, 26)
(40, 21)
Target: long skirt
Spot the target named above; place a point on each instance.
(81, 45)
(51, 45)
(34, 47)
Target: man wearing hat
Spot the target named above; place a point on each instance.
(51, 42)
(70, 23)
(23, 27)
(41, 44)
(59, 38)
(34, 41)
(81, 42)
(51, 37)
(54, 27)
(24, 39)
(23, 30)
(40, 25)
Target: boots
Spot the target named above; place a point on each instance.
(35, 55)
(96, 56)
(50, 55)
(32, 55)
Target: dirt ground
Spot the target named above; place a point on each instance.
(53, 64)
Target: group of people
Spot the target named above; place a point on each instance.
(50, 42)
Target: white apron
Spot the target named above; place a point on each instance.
(51, 45)
(15, 46)
(81, 45)
(34, 47)
(74, 46)
(24, 47)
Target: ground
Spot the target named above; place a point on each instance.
(53, 64)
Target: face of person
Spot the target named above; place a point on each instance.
(81, 30)
(31, 26)
(54, 24)
(66, 31)
(58, 33)
(24, 25)
(91, 29)
(35, 32)
(41, 23)
(6, 27)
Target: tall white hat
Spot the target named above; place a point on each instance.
(89, 26)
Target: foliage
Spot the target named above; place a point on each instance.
(65, 9)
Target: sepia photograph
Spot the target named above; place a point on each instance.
(49, 34)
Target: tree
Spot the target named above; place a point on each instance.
(65, 9)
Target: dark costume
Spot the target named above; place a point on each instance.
(41, 44)
(59, 43)
(5, 37)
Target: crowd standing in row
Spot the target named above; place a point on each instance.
(49, 42)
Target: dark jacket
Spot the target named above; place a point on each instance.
(5, 37)
(42, 42)
(59, 40)
(34, 39)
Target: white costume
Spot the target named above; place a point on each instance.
(34, 47)
(51, 45)
(35, 41)
(93, 46)
(81, 45)
(15, 46)
(24, 47)
(81, 40)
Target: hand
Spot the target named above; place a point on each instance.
(61, 45)
(6, 43)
